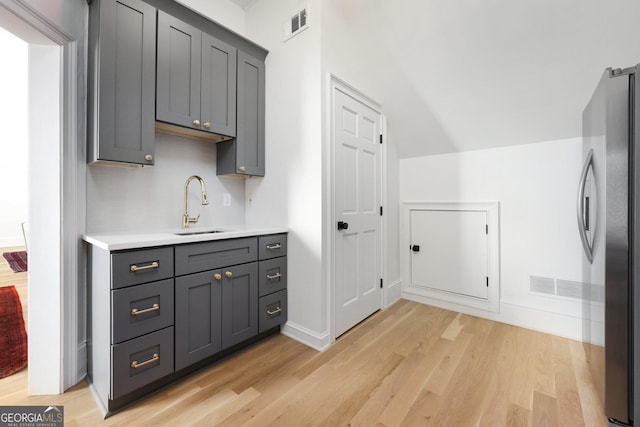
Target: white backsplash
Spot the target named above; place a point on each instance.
(151, 198)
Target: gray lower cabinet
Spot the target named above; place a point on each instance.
(196, 73)
(121, 81)
(239, 303)
(198, 320)
(155, 313)
(244, 155)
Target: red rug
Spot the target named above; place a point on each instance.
(17, 261)
(13, 335)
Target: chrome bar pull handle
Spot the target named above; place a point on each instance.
(273, 277)
(582, 227)
(136, 312)
(276, 311)
(134, 268)
(135, 364)
(274, 246)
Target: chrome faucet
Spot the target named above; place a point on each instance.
(186, 220)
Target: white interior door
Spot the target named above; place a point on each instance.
(357, 193)
(450, 251)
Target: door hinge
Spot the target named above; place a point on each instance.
(487, 281)
(380, 138)
(486, 228)
(380, 210)
(380, 283)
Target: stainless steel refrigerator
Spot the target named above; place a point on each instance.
(609, 226)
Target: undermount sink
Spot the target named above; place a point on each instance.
(191, 233)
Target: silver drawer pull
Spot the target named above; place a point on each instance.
(275, 276)
(154, 358)
(154, 264)
(276, 311)
(136, 312)
(274, 246)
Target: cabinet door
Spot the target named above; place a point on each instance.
(179, 67)
(245, 154)
(197, 317)
(218, 96)
(123, 51)
(239, 303)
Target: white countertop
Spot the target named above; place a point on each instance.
(132, 240)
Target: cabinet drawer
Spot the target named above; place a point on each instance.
(272, 310)
(138, 310)
(147, 265)
(141, 361)
(197, 257)
(272, 246)
(272, 275)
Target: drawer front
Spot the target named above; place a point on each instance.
(135, 267)
(272, 275)
(272, 310)
(138, 310)
(141, 361)
(197, 257)
(271, 246)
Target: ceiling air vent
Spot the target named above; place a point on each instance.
(297, 24)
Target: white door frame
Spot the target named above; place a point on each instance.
(54, 342)
(329, 195)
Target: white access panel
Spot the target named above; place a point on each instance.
(453, 251)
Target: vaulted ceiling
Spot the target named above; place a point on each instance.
(468, 74)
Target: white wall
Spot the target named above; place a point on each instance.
(224, 12)
(536, 185)
(152, 198)
(291, 192)
(13, 139)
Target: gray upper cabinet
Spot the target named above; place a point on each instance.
(196, 73)
(245, 154)
(218, 86)
(121, 81)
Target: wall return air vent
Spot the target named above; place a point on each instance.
(296, 24)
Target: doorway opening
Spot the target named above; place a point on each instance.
(55, 220)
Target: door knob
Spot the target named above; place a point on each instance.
(228, 274)
(217, 276)
(343, 225)
(148, 157)
(206, 125)
(196, 122)
(415, 248)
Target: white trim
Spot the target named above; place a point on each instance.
(319, 342)
(392, 293)
(492, 210)
(72, 227)
(336, 83)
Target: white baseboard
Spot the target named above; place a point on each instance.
(319, 342)
(393, 293)
(515, 314)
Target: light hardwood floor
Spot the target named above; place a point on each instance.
(409, 365)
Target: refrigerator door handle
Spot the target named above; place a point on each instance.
(582, 227)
